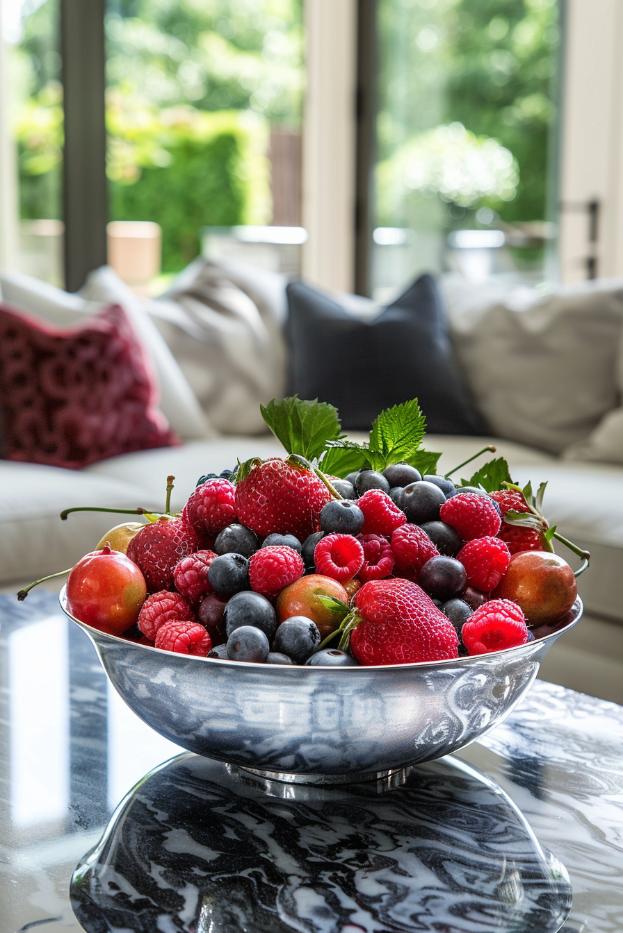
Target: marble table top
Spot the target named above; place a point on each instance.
(108, 827)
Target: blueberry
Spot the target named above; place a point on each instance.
(444, 537)
(332, 657)
(458, 612)
(227, 474)
(297, 637)
(210, 614)
(236, 539)
(370, 479)
(277, 540)
(398, 496)
(276, 657)
(352, 478)
(206, 476)
(422, 502)
(249, 608)
(473, 598)
(228, 574)
(476, 490)
(247, 644)
(442, 577)
(401, 474)
(341, 515)
(344, 487)
(309, 547)
(446, 485)
(219, 651)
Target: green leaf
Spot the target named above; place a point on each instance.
(335, 606)
(425, 461)
(491, 476)
(549, 533)
(303, 427)
(540, 495)
(523, 519)
(344, 457)
(397, 434)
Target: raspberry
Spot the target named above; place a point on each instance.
(191, 575)
(498, 624)
(183, 637)
(338, 556)
(273, 567)
(486, 561)
(517, 538)
(472, 515)
(378, 558)
(160, 608)
(211, 506)
(411, 548)
(381, 514)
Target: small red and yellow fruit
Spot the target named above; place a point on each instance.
(106, 589)
(542, 583)
(303, 598)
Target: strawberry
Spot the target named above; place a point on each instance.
(280, 496)
(396, 622)
(516, 537)
(158, 547)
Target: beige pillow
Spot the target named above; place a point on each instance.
(543, 370)
(605, 443)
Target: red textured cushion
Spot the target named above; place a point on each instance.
(72, 397)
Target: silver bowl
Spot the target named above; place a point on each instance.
(321, 724)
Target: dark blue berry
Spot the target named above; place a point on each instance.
(473, 598)
(343, 516)
(422, 502)
(370, 479)
(297, 637)
(229, 574)
(458, 612)
(442, 577)
(247, 608)
(277, 657)
(444, 537)
(236, 539)
(398, 496)
(277, 540)
(401, 474)
(210, 613)
(247, 644)
(332, 657)
(206, 476)
(446, 485)
(228, 474)
(344, 487)
(219, 651)
(309, 547)
(352, 478)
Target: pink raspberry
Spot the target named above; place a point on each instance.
(486, 561)
(411, 548)
(471, 515)
(211, 507)
(338, 556)
(381, 514)
(378, 560)
(183, 637)
(496, 625)
(160, 608)
(274, 567)
(191, 575)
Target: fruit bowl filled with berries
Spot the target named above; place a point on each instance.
(333, 614)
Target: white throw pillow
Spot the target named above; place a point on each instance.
(103, 287)
(543, 370)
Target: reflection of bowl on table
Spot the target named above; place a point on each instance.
(200, 845)
(319, 723)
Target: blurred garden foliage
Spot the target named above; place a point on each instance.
(195, 86)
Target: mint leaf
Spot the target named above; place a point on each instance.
(344, 457)
(396, 434)
(425, 461)
(303, 427)
(491, 476)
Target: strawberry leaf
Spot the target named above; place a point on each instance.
(397, 434)
(335, 606)
(425, 461)
(302, 426)
(344, 457)
(491, 476)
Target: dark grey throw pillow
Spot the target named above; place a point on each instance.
(363, 366)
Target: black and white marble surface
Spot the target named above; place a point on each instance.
(104, 825)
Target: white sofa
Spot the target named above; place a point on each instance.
(585, 499)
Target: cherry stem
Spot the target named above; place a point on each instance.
(349, 622)
(575, 549)
(98, 508)
(23, 593)
(325, 479)
(488, 449)
(167, 503)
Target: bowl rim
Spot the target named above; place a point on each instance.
(466, 660)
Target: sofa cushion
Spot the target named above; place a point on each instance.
(364, 365)
(543, 370)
